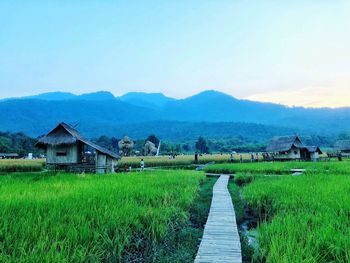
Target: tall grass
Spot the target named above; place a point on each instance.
(80, 218)
(304, 219)
(181, 160)
(331, 167)
(21, 165)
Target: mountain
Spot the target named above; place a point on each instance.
(58, 96)
(53, 96)
(216, 106)
(102, 113)
(146, 99)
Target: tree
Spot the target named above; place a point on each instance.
(152, 138)
(149, 148)
(201, 145)
(126, 145)
(186, 147)
(104, 141)
(344, 136)
(5, 144)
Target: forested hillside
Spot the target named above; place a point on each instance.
(209, 113)
(17, 143)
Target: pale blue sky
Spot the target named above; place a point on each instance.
(292, 52)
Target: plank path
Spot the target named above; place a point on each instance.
(220, 242)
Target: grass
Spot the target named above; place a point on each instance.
(21, 165)
(331, 167)
(110, 218)
(159, 216)
(305, 218)
(234, 189)
(183, 248)
(181, 160)
(302, 218)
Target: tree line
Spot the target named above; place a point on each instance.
(17, 143)
(23, 144)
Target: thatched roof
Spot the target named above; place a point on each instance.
(284, 143)
(342, 145)
(65, 134)
(313, 149)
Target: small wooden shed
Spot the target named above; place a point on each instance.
(285, 148)
(311, 153)
(66, 149)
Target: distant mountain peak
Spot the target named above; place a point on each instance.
(213, 93)
(99, 95)
(146, 99)
(209, 97)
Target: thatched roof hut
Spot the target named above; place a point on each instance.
(67, 149)
(342, 145)
(313, 149)
(284, 143)
(65, 134)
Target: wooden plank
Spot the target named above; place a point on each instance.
(217, 175)
(297, 170)
(220, 242)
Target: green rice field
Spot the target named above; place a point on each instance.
(158, 216)
(21, 165)
(303, 218)
(134, 217)
(332, 167)
(180, 160)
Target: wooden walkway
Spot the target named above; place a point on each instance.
(220, 242)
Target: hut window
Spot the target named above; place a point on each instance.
(295, 152)
(61, 153)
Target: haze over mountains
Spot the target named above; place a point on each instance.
(137, 113)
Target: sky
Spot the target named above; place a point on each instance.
(289, 52)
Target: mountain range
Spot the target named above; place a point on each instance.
(101, 113)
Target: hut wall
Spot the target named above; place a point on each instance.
(101, 162)
(292, 154)
(314, 156)
(111, 162)
(62, 154)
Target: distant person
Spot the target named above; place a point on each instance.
(142, 165)
(252, 157)
(257, 157)
(241, 158)
(196, 158)
(232, 157)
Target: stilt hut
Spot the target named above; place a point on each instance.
(66, 149)
(285, 148)
(311, 153)
(342, 147)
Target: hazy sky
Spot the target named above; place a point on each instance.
(291, 52)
